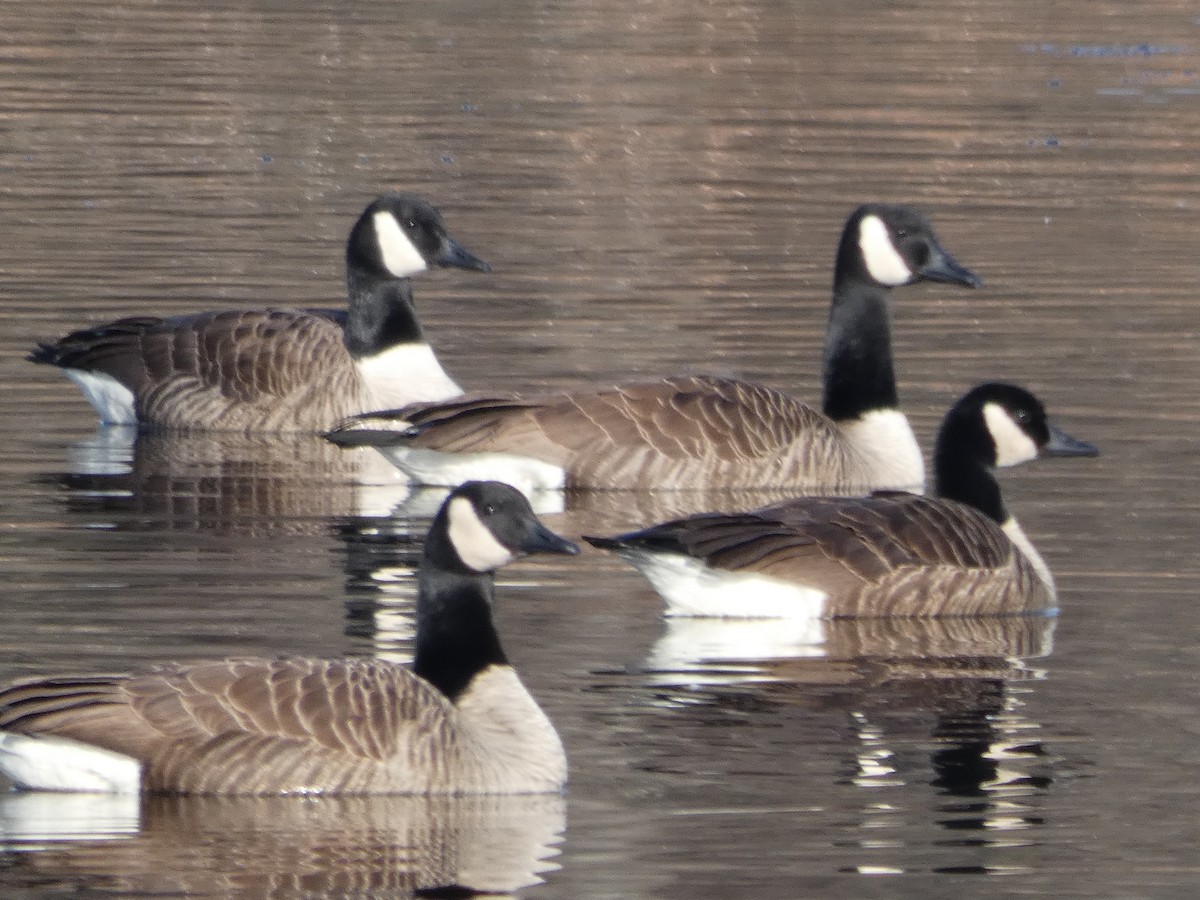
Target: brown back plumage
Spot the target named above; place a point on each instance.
(676, 433)
(890, 554)
(233, 369)
(258, 726)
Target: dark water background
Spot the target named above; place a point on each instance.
(659, 187)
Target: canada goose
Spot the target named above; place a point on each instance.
(458, 722)
(889, 554)
(692, 433)
(273, 369)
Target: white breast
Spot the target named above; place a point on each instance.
(406, 373)
(1018, 537)
(891, 454)
(516, 742)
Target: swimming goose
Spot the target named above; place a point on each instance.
(458, 722)
(274, 369)
(889, 554)
(691, 433)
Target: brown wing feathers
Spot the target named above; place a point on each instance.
(673, 433)
(198, 370)
(346, 706)
(889, 554)
(113, 349)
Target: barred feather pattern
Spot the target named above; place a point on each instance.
(300, 726)
(890, 554)
(244, 370)
(684, 433)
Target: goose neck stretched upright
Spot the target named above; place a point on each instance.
(381, 313)
(456, 634)
(396, 237)
(883, 246)
(997, 425)
(859, 375)
(963, 458)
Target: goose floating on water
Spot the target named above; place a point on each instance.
(889, 554)
(458, 722)
(691, 433)
(276, 369)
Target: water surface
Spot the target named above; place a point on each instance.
(659, 188)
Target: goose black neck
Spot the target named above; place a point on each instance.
(381, 313)
(858, 351)
(962, 467)
(456, 637)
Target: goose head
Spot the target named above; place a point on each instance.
(1001, 425)
(893, 245)
(488, 524)
(399, 235)
(993, 426)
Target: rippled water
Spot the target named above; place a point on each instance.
(659, 187)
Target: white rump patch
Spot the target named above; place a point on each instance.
(405, 373)
(692, 588)
(113, 402)
(400, 255)
(893, 457)
(473, 541)
(1013, 445)
(884, 262)
(431, 467)
(1022, 542)
(51, 763)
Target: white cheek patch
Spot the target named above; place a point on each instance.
(476, 546)
(399, 254)
(1013, 445)
(884, 262)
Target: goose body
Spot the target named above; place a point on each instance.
(277, 369)
(888, 554)
(458, 722)
(714, 433)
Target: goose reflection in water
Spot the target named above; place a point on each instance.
(280, 846)
(226, 483)
(892, 688)
(256, 484)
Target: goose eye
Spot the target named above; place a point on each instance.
(1022, 415)
(489, 509)
(411, 224)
